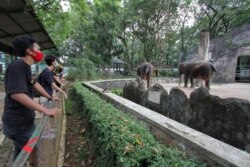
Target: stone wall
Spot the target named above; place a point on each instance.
(227, 119)
(106, 85)
(173, 134)
(223, 53)
(120, 83)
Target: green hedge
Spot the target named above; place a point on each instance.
(169, 73)
(120, 139)
(117, 91)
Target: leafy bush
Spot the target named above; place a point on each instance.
(169, 73)
(69, 106)
(117, 91)
(81, 69)
(120, 139)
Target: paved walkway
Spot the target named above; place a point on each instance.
(237, 90)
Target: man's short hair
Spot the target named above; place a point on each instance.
(49, 59)
(22, 43)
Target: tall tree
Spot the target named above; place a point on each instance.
(219, 16)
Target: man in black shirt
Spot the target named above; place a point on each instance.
(18, 117)
(46, 78)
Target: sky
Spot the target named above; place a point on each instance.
(65, 5)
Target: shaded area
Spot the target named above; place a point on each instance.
(243, 69)
(17, 17)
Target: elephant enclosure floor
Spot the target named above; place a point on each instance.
(237, 90)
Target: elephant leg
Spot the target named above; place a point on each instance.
(185, 80)
(207, 84)
(148, 80)
(192, 82)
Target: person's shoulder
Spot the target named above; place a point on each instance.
(18, 63)
(46, 72)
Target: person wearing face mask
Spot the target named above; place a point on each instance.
(46, 78)
(57, 71)
(18, 116)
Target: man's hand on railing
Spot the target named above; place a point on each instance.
(52, 111)
(55, 98)
(65, 95)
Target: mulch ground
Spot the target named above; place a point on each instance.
(6, 153)
(78, 150)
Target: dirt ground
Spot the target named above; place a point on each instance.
(6, 147)
(6, 153)
(78, 150)
(237, 90)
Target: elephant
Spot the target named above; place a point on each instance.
(197, 70)
(145, 71)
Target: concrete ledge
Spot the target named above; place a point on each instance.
(174, 134)
(62, 138)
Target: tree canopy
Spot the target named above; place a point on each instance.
(159, 31)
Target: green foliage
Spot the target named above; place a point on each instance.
(117, 91)
(222, 15)
(52, 16)
(137, 30)
(69, 106)
(120, 140)
(169, 73)
(81, 69)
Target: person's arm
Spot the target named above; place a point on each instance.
(43, 92)
(59, 89)
(25, 100)
(57, 79)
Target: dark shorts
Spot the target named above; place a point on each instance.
(20, 136)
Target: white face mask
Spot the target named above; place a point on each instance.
(55, 64)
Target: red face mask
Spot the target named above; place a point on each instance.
(38, 57)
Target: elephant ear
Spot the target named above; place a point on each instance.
(181, 66)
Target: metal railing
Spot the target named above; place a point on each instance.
(43, 147)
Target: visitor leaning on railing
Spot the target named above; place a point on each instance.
(30, 149)
(19, 107)
(42, 149)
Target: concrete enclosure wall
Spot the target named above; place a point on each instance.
(223, 53)
(227, 119)
(172, 133)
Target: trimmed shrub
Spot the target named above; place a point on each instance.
(121, 140)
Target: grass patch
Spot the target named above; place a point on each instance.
(117, 91)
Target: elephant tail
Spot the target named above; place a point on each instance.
(179, 81)
(213, 69)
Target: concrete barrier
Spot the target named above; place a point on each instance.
(192, 142)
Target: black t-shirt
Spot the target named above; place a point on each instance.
(17, 80)
(46, 79)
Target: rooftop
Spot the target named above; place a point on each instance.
(18, 18)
